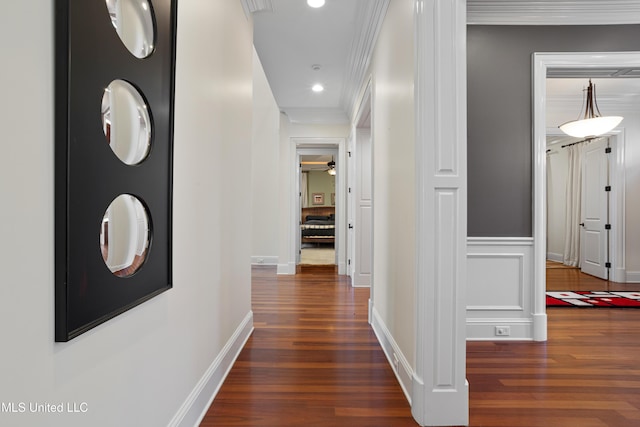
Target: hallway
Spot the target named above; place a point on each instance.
(312, 360)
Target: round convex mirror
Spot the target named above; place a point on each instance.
(134, 23)
(125, 233)
(126, 122)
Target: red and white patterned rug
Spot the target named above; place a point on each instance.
(593, 299)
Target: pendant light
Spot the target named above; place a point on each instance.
(592, 123)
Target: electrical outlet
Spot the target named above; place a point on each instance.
(503, 331)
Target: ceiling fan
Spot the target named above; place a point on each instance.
(332, 167)
(329, 167)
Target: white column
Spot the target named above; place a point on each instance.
(440, 390)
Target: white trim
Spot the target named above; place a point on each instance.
(557, 12)
(264, 260)
(402, 369)
(551, 256)
(368, 23)
(252, 6)
(499, 241)
(484, 329)
(305, 143)
(617, 208)
(193, 410)
(440, 394)
(286, 268)
(540, 63)
(633, 276)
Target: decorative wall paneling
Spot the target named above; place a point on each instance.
(499, 288)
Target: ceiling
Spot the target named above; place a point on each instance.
(300, 46)
(315, 162)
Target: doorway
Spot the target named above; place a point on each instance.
(360, 197)
(317, 201)
(578, 210)
(542, 62)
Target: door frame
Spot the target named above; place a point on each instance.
(364, 115)
(541, 61)
(294, 200)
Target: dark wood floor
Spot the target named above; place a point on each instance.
(314, 361)
(571, 279)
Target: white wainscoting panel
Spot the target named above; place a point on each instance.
(499, 288)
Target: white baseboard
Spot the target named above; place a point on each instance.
(289, 268)
(197, 403)
(264, 260)
(555, 257)
(399, 363)
(485, 329)
(633, 277)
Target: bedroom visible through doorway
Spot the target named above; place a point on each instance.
(317, 209)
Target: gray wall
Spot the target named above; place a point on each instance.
(500, 115)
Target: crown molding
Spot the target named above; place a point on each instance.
(607, 104)
(367, 27)
(252, 6)
(553, 12)
(316, 115)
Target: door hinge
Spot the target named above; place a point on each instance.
(607, 226)
(607, 150)
(607, 264)
(348, 262)
(349, 153)
(349, 189)
(607, 188)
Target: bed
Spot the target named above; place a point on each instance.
(318, 224)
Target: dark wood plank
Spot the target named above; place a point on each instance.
(572, 279)
(586, 374)
(313, 360)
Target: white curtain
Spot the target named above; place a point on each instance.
(304, 190)
(571, 254)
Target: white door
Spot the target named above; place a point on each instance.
(298, 219)
(594, 241)
(351, 207)
(364, 209)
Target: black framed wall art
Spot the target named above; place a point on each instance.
(114, 86)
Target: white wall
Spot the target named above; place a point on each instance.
(147, 366)
(265, 169)
(394, 278)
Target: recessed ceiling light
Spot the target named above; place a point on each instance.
(315, 3)
(317, 87)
